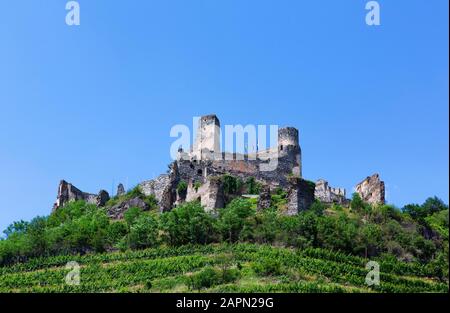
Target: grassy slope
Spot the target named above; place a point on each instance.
(167, 269)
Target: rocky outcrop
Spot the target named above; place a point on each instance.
(371, 190)
(120, 190)
(327, 194)
(117, 211)
(300, 195)
(102, 198)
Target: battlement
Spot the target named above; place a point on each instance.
(209, 119)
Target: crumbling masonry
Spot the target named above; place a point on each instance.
(202, 167)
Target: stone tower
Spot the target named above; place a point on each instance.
(207, 142)
(289, 148)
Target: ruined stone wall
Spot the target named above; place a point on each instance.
(68, 192)
(163, 188)
(204, 163)
(327, 194)
(371, 190)
(300, 196)
(209, 193)
(242, 167)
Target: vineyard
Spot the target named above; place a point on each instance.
(216, 268)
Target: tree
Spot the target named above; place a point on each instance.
(439, 266)
(143, 232)
(337, 232)
(88, 232)
(36, 235)
(131, 215)
(358, 205)
(187, 223)
(370, 238)
(414, 210)
(429, 207)
(307, 227)
(317, 207)
(116, 231)
(433, 205)
(266, 226)
(19, 227)
(438, 222)
(234, 218)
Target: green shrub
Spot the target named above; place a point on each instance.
(182, 187)
(131, 215)
(116, 231)
(266, 226)
(253, 187)
(151, 201)
(135, 192)
(317, 207)
(268, 267)
(206, 278)
(235, 219)
(358, 205)
(279, 199)
(197, 185)
(143, 233)
(187, 223)
(231, 184)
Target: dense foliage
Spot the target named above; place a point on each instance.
(411, 241)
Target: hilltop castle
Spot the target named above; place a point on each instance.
(201, 168)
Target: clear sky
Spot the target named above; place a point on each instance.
(94, 104)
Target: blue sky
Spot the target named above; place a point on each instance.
(94, 104)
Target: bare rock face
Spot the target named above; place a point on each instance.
(371, 190)
(120, 190)
(264, 199)
(102, 198)
(327, 194)
(117, 211)
(68, 192)
(300, 195)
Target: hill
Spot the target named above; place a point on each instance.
(216, 268)
(329, 248)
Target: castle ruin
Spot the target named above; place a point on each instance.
(204, 164)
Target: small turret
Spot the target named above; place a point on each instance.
(289, 148)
